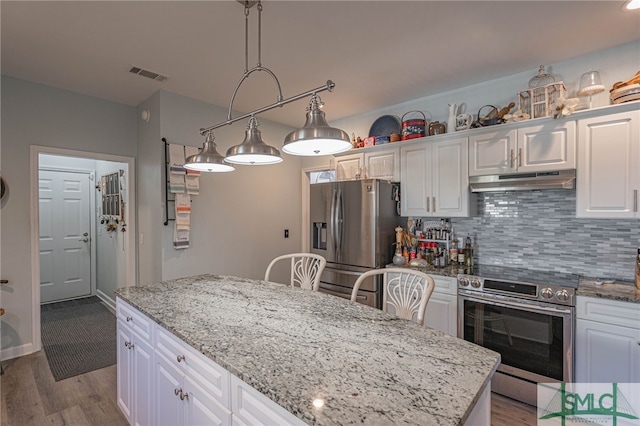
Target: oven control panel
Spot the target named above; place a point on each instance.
(540, 292)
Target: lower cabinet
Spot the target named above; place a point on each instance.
(164, 381)
(607, 341)
(442, 308)
(134, 375)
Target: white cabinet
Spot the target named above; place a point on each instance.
(608, 175)
(607, 341)
(350, 166)
(434, 179)
(442, 308)
(134, 365)
(379, 164)
(544, 147)
(164, 381)
(189, 389)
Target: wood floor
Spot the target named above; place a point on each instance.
(30, 396)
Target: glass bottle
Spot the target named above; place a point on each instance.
(453, 252)
(468, 252)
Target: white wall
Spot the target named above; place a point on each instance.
(615, 64)
(238, 220)
(33, 114)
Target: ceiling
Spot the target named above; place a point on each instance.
(378, 53)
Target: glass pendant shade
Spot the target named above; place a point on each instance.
(208, 159)
(253, 150)
(316, 137)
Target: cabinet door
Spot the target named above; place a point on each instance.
(168, 409)
(546, 147)
(202, 408)
(124, 370)
(251, 407)
(383, 164)
(142, 361)
(492, 153)
(606, 353)
(441, 313)
(450, 179)
(415, 180)
(349, 167)
(608, 174)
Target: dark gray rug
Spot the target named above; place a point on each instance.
(78, 336)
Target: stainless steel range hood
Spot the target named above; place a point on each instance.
(563, 179)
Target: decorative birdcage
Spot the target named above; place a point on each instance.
(542, 92)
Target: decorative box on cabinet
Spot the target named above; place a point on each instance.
(434, 179)
(607, 341)
(544, 147)
(134, 365)
(608, 174)
(377, 164)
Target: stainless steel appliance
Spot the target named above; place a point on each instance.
(528, 317)
(352, 226)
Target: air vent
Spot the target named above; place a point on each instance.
(149, 74)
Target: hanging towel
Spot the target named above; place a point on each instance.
(176, 159)
(183, 204)
(192, 179)
(180, 237)
(177, 183)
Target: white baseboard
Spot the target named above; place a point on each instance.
(17, 351)
(108, 301)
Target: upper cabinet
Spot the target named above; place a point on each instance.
(379, 164)
(434, 179)
(608, 175)
(543, 147)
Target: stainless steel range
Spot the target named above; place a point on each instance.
(528, 317)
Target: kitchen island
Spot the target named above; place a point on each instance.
(324, 359)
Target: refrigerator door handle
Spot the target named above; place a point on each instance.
(333, 219)
(340, 223)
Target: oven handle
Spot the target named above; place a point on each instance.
(514, 304)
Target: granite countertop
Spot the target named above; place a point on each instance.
(296, 345)
(621, 290)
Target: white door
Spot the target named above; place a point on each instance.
(65, 255)
(450, 193)
(415, 180)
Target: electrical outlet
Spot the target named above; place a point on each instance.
(286, 233)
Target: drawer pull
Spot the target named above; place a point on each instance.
(129, 345)
(4, 281)
(180, 358)
(129, 319)
(184, 396)
(177, 391)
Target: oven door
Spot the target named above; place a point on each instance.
(535, 340)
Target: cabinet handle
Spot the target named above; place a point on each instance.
(4, 281)
(434, 203)
(126, 344)
(428, 205)
(635, 200)
(519, 157)
(177, 391)
(180, 358)
(129, 319)
(184, 396)
(511, 158)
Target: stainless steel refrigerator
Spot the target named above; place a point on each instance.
(353, 227)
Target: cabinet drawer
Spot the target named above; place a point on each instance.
(447, 285)
(250, 407)
(133, 319)
(207, 373)
(607, 311)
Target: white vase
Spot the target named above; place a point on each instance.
(451, 122)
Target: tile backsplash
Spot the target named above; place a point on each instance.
(539, 230)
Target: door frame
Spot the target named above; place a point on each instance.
(92, 219)
(34, 213)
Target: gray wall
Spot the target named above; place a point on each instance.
(33, 114)
(239, 217)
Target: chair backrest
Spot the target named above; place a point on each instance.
(306, 269)
(405, 291)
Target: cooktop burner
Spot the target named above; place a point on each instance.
(528, 276)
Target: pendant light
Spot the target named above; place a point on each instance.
(253, 150)
(208, 159)
(323, 138)
(316, 137)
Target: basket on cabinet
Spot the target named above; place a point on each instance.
(536, 101)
